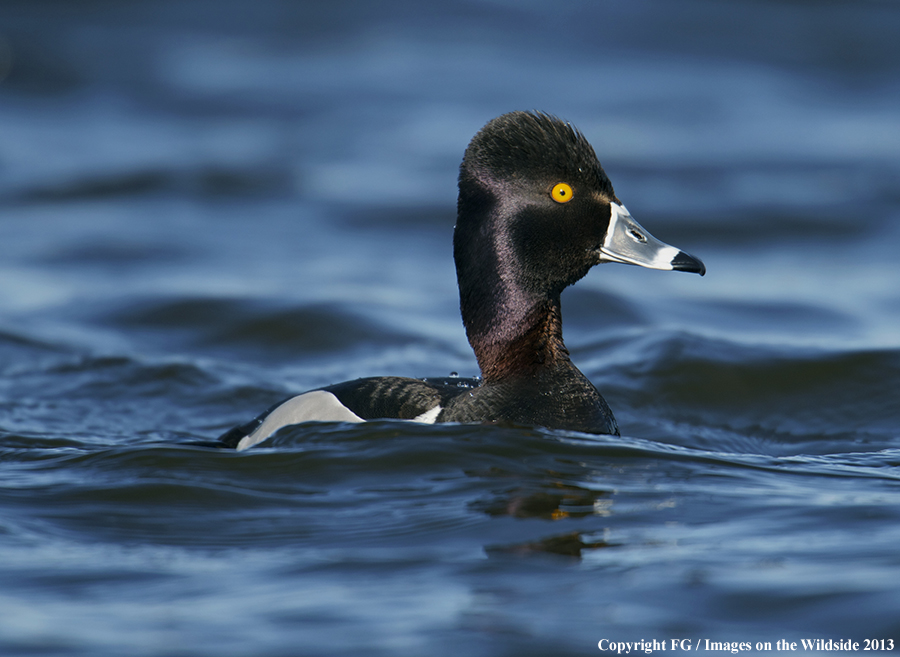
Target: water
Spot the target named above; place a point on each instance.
(205, 207)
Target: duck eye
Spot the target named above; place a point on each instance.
(562, 193)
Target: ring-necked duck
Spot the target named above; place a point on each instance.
(535, 213)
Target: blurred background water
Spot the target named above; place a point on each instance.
(207, 206)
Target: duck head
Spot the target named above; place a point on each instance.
(536, 212)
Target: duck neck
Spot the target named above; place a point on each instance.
(514, 327)
(519, 341)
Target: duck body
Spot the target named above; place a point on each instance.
(556, 399)
(535, 213)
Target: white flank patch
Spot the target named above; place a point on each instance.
(315, 406)
(429, 416)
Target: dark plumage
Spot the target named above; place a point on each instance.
(536, 211)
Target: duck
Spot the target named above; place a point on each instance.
(535, 212)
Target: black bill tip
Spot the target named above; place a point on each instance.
(686, 262)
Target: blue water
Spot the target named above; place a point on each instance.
(207, 206)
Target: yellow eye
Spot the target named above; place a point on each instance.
(561, 193)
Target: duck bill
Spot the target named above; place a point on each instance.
(627, 242)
